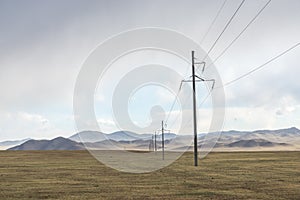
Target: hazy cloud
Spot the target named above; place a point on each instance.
(44, 43)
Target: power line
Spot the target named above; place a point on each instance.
(239, 35)
(224, 29)
(184, 103)
(213, 22)
(211, 25)
(248, 73)
(261, 66)
(202, 102)
(173, 104)
(177, 116)
(253, 70)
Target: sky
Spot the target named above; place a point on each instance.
(43, 45)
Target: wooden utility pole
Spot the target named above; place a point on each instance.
(196, 78)
(194, 112)
(155, 146)
(163, 139)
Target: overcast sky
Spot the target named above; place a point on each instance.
(44, 43)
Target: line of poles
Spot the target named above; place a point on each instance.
(153, 143)
(195, 78)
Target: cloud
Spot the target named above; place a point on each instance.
(250, 118)
(22, 125)
(32, 117)
(107, 125)
(43, 45)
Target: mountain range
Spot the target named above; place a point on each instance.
(95, 136)
(58, 143)
(282, 139)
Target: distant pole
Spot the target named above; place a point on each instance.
(163, 139)
(152, 143)
(155, 147)
(194, 112)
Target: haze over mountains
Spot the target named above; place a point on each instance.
(283, 139)
(95, 136)
(11, 143)
(58, 143)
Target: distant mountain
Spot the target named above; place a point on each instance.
(59, 143)
(279, 139)
(127, 136)
(10, 143)
(95, 136)
(88, 136)
(289, 135)
(255, 143)
(292, 130)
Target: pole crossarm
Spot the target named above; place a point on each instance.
(196, 78)
(199, 79)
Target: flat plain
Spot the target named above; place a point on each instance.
(221, 175)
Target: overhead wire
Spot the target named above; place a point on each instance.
(224, 29)
(262, 65)
(240, 34)
(254, 69)
(213, 21)
(173, 104)
(205, 35)
(236, 38)
(249, 73)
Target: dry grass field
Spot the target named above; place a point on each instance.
(77, 175)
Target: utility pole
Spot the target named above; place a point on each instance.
(163, 139)
(152, 143)
(195, 111)
(196, 78)
(155, 147)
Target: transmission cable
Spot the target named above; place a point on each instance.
(173, 104)
(249, 73)
(240, 34)
(253, 70)
(261, 66)
(213, 22)
(224, 29)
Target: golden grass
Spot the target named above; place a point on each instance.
(77, 175)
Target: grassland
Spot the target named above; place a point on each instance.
(77, 175)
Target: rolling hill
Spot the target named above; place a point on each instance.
(59, 143)
(88, 136)
(95, 136)
(276, 139)
(255, 143)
